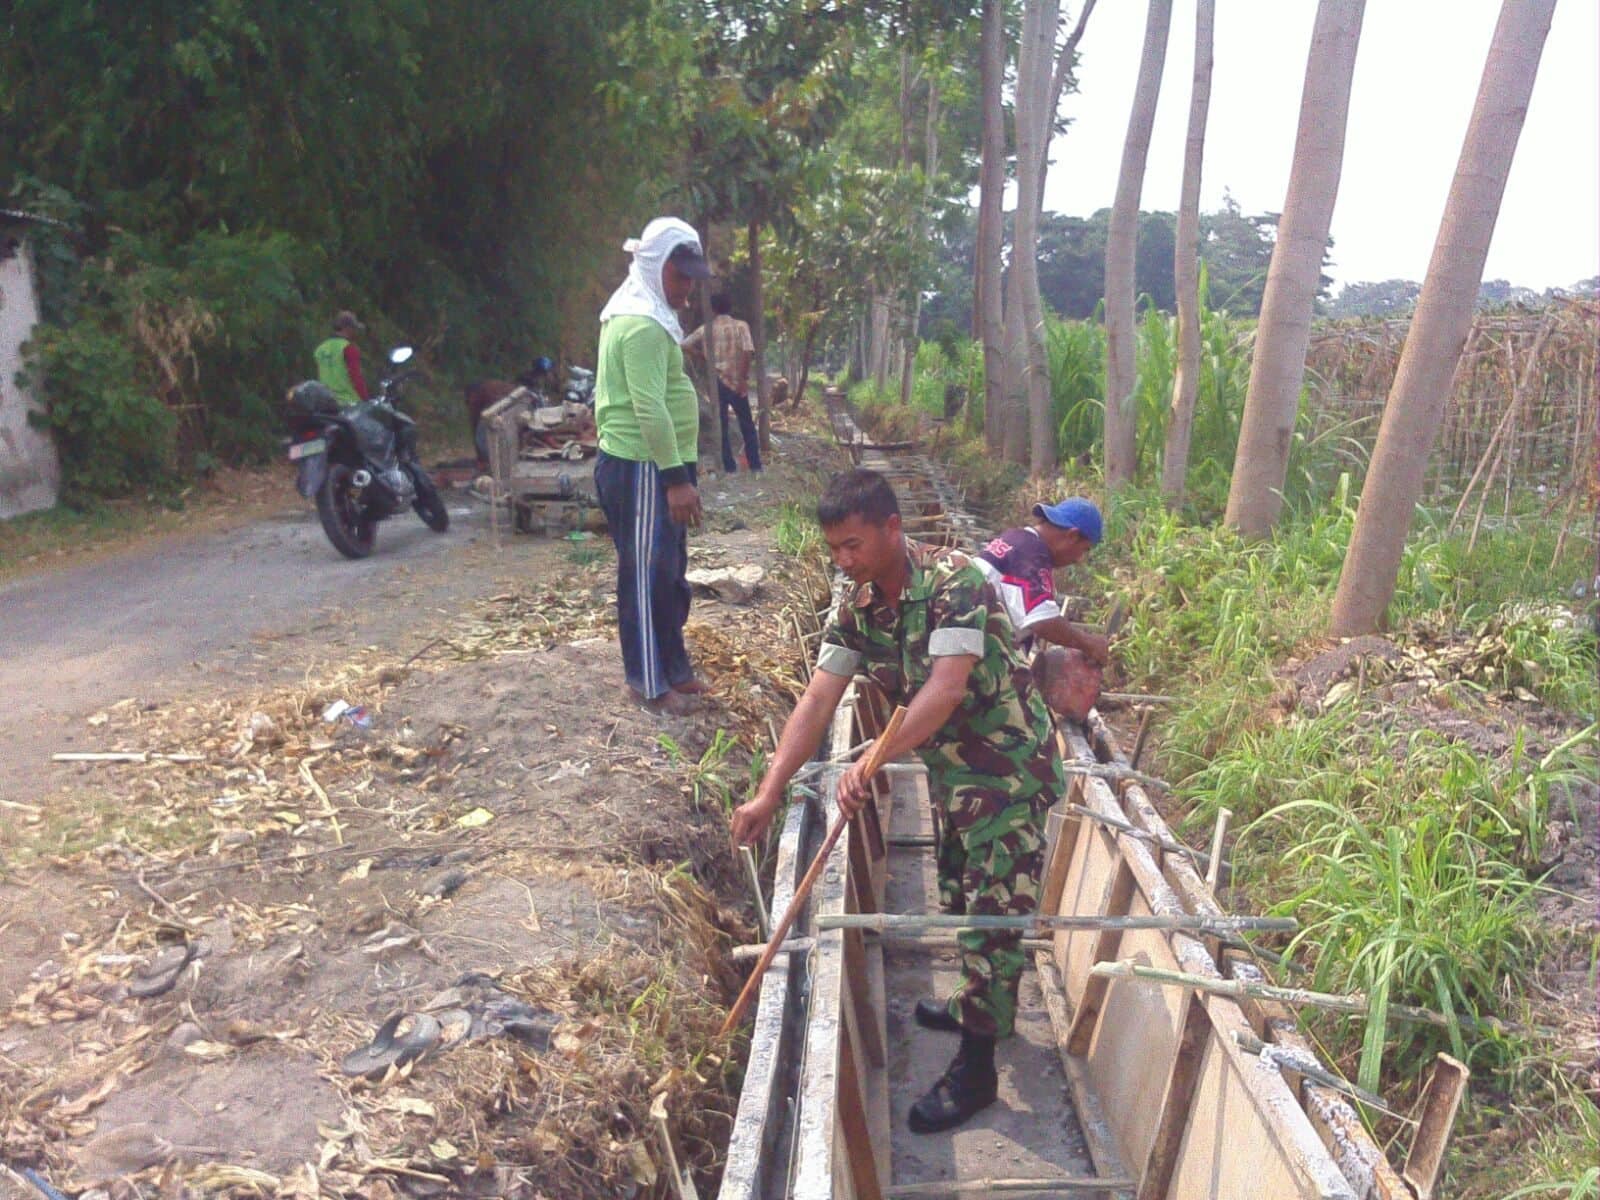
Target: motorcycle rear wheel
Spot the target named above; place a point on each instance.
(429, 505)
(348, 528)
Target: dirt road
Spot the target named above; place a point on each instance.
(253, 605)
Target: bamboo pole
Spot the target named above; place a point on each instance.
(1354, 1003)
(1116, 774)
(964, 1187)
(1137, 698)
(802, 891)
(923, 922)
(1301, 1063)
(1143, 835)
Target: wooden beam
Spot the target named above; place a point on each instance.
(1425, 1163)
(1007, 1187)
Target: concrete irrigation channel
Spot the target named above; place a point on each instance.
(1115, 1084)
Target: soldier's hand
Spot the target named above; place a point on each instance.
(855, 787)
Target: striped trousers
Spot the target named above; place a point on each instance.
(652, 556)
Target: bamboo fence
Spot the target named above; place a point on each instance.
(1521, 412)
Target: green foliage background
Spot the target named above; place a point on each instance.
(240, 172)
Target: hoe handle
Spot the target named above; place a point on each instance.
(875, 757)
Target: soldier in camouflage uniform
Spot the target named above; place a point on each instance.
(926, 627)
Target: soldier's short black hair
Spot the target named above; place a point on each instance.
(860, 493)
(722, 304)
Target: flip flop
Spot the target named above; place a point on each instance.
(161, 973)
(387, 1050)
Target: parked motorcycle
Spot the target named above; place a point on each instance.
(579, 388)
(360, 463)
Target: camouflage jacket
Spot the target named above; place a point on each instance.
(1001, 727)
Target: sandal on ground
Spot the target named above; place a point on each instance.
(390, 1048)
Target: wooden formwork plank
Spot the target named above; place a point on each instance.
(1182, 1083)
(1118, 898)
(1358, 1157)
(816, 1166)
(1237, 1080)
(854, 1123)
(754, 1159)
(1091, 1115)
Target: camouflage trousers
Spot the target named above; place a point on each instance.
(991, 859)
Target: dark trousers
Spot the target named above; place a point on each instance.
(728, 398)
(652, 556)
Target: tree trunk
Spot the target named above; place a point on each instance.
(1121, 242)
(1186, 265)
(1442, 320)
(1035, 57)
(988, 299)
(1261, 463)
(758, 335)
(1014, 401)
(1065, 60)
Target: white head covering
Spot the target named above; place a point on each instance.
(641, 293)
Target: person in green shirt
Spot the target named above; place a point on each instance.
(648, 418)
(339, 362)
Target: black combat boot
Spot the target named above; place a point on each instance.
(968, 1086)
(931, 1014)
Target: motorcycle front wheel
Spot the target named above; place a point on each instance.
(429, 505)
(343, 519)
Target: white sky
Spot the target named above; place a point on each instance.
(1417, 74)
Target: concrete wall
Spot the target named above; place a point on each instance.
(30, 473)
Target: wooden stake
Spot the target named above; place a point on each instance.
(1144, 711)
(1224, 815)
(802, 890)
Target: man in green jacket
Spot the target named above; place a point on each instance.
(649, 423)
(339, 362)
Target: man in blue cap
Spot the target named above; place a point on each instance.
(1020, 565)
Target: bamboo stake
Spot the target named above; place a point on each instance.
(802, 890)
(1355, 1003)
(962, 1187)
(923, 922)
(763, 921)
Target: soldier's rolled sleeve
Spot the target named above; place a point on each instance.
(838, 660)
(958, 617)
(944, 642)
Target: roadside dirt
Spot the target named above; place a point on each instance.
(501, 832)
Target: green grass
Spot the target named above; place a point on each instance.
(795, 532)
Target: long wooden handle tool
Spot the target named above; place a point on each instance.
(875, 757)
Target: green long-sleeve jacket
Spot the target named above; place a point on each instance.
(644, 405)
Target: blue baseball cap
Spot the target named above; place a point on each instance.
(1073, 513)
